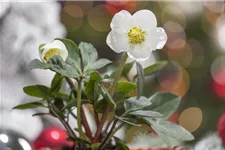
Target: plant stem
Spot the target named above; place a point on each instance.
(112, 91)
(83, 119)
(111, 133)
(79, 125)
(54, 110)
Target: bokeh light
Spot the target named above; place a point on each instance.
(197, 53)
(183, 56)
(176, 36)
(218, 70)
(120, 5)
(191, 118)
(85, 7)
(214, 6)
(171, 13)
(99, 18)
(176, 81)
(72, 17)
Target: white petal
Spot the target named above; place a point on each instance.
(117, 41)
(60, 44)
(156, 38)
(122, 19)
(139, 53)
(162, 38)
(145, 19)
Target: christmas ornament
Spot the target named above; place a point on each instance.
(12, 140)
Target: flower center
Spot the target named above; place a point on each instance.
(51, 52)
(136, 35)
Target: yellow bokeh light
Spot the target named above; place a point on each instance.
(191, 118)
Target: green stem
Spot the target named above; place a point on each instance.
(112, 91)
(112, 131)
(118, 74)
(79, 125)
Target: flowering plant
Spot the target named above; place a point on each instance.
(77, 66)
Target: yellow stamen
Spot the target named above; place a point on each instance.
(51, 52)
(136, 35)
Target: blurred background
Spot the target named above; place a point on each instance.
(195, 50)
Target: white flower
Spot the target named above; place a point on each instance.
(136, 34)
(57, 47)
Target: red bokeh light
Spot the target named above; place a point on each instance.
(221, 128)
(52, 137)
(115, 6)
(219, 87)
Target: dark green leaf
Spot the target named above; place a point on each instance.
(170, 129)
(130, 121)
(134, 103)
(104, 92)
(100, 105)
(63, 96)
(146, 113)
(40, 114)
(127, 68)
(165, 103)
(121, 146)
(40, 91)
(92, 90)
(125, 87)
(29, 105)
(141, 79)
(99, 64)
(56, 83)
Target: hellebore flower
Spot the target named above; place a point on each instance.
(56, 47)
(136, 34)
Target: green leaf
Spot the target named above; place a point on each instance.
(146, 113)
(95, 76)
(130, 121)
(40, 114)
(104, 92)
(29, 105)
(56, 83)
(56, 64)
(100, 105)
(141, 79)
(37, 64)
(154, 68)
(92, 90)
(99, 64)
(165, 103)
(88, 52)
(121, 146)
(73, 50)
(63, 96)
(125, 87)
(40, 91)
(95, 146)
(134, 103)
(127, 68)
(170, 129)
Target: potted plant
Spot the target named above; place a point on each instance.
(78, 67)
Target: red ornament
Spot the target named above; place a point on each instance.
(52, 137)
(221, 128)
